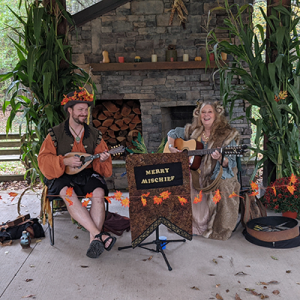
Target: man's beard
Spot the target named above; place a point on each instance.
(76, 120)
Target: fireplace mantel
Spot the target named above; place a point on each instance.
(106, 67)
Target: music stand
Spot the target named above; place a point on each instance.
(160, 180)
(158, 243)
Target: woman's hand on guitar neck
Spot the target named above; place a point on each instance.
(104, 156)
(73, 161)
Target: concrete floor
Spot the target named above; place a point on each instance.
(202, 268)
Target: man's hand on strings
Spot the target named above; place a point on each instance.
(73, 161)
(104, 156)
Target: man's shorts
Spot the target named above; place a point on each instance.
(84, 182)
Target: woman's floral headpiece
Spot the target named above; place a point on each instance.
(81, 96)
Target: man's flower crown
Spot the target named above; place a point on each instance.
(82, 95)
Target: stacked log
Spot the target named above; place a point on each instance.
(119, 121)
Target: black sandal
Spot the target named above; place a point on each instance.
(96, 248)
(113, 240)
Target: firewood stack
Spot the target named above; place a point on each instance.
(118, 120)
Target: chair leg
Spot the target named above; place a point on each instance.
(106, 209)
(51, 228)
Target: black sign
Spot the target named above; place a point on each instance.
(158, 176)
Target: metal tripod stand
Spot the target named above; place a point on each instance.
(158, 244)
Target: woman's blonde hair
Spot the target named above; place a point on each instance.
(220, 120)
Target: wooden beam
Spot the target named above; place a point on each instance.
(97, 10)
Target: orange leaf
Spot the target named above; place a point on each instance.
(89, 195)
(217, 197)
(144, 201)
(69, 191)
(253, 194)
(118, 195)
(125, 202)
(165, 195)
(233, 195)
(182, 200)
(12, 194)
(85, 203)
(108, 199)
(254, 186)
(274, 189)
(293, 179)
(69, 201)
(291, 189)
(157, 200)
(199, 198)
(146, 195)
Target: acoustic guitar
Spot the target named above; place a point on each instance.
(86, 159)
(195, 150)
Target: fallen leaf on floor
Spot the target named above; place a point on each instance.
(28, 296)
(38, 241)
(276, 292)
(267, 283)
(248, 290)
(288, 271)
(265, 287)
(214, 261)
(195, 288)
(227, 291)
(231, 261)
(254, 293)
(28, 280)
(262, 296)
(240, 274)
(298, 283)
(237, 297)
(217, 285)
(219, 297)
(239, 281)
(273, 257)
(215, 275)
(76, 237)
(220, 256)
(84, 266)
(32, 266)
(248, 266)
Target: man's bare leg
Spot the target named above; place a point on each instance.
(97, 212)
(80, 213)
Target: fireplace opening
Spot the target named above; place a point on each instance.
(177, 116)
(119, 121)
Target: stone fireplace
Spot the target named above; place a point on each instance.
(164, 92)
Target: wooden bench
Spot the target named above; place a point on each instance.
(9, 152)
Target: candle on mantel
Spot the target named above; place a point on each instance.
(154, 58)
(185, 57)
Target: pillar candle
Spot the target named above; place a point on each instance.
(185, 57)
(154, 58)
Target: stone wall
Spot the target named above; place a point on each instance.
(141, 28)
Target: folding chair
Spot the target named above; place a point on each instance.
(55, 209)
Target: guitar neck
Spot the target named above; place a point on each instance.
(203, 151)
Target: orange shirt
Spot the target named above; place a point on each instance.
(52, 165)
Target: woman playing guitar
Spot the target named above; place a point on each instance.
(210, 127)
